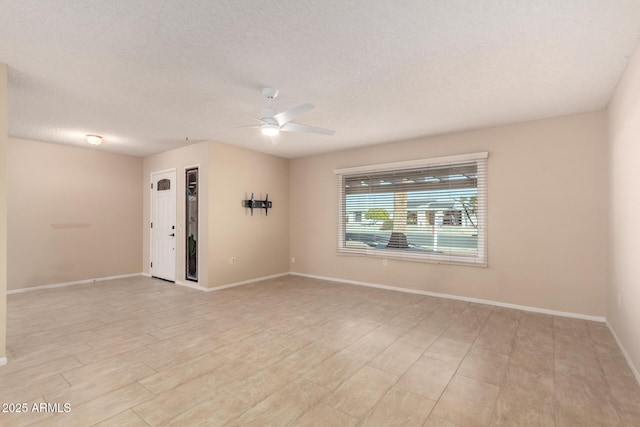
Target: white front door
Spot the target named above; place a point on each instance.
(163, 225)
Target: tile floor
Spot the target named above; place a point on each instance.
(303, 352)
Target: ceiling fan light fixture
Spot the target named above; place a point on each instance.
(94, 139)
(270, 129)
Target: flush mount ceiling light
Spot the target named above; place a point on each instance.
(94, 139)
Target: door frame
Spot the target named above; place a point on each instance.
(175, 260)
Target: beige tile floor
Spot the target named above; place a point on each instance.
(303, 352)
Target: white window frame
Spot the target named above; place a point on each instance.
(480, 260)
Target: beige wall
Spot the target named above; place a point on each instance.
(4, 131)
(547, 216)
(260, 243)
(74, 214)
(623, 312)
(180, 159)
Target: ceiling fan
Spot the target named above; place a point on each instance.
(273, 122)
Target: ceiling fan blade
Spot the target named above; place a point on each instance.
(256, 119)
(245, 127)
(297, 127)
(287, 116)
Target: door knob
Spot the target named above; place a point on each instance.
(172, 235)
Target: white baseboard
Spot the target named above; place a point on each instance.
(460, 298)
(79, 282)
(244, 282)
(3, 361)
(192, 285)
(177, 282)
(635, 371)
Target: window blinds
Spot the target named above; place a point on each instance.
(427, 210)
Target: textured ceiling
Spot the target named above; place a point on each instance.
(147, 74)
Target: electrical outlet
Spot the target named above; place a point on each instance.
(385, 262)
(232, 260)
(293, 260)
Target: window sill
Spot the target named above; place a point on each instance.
(414, 257)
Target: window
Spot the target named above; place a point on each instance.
(191, 224)
(424, 210)
(164, 185)
(452, 218)
(412, 218)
